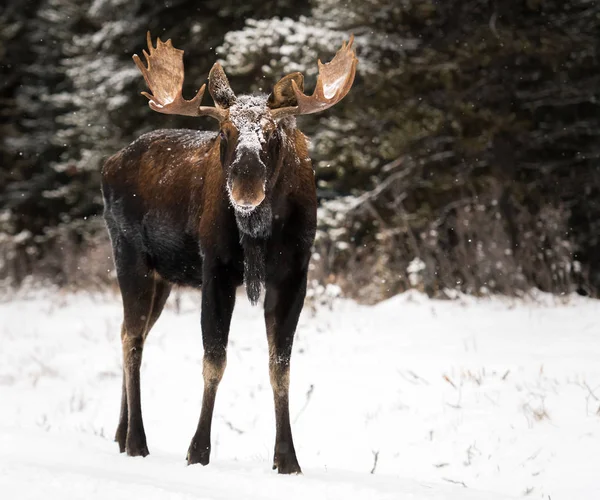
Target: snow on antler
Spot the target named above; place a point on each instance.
(333, 84)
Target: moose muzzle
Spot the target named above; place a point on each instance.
(247, 194)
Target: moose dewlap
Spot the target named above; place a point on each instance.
(216, 210)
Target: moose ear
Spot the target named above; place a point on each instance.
(219, 87)
(283, 94)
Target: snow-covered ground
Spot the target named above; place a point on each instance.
(412, 398)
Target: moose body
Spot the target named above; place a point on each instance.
(215, 210)
(177, 229)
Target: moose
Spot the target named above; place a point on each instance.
(217, 210)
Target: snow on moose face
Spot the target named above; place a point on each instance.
(248, 140)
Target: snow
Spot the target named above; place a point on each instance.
(331, 89)
(247, 114)
(463, 399)
(289, 45)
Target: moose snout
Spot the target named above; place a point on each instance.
(247, 195)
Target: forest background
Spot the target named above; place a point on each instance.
(466, 156)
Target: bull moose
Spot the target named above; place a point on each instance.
(215, 210)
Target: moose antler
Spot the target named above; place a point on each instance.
(164, 77)
(333, 83)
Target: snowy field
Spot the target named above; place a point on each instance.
(409, 399)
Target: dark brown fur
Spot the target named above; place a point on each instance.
(171, 222)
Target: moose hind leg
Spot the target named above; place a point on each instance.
(144, 295)
(121, 434)
(283, 304)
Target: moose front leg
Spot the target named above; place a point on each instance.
(283, 304)
(218, 300)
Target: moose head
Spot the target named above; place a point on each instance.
(251, 126)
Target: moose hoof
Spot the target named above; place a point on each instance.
(137, 451)
(198, 454)
(136, 445)
(121, 438)
(286, 464)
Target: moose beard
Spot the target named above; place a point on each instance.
(254, 266)
(255, 228)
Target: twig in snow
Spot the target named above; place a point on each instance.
(457, 405)
(414, 378)
(375, 458)
(533, 456)
(505, 375)
(454, 482)
(447, 379)
(590, 395)
(495, 403)
(232, 427)
(472, 450)
(585, 384)
(46, 370)
(417, 377)
(178, 302)
(308, 396)
(539, 413)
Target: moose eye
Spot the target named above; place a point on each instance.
(222, 136)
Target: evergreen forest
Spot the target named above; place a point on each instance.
(466, 156)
